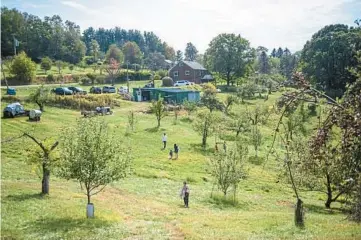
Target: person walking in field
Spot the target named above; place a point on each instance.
(170, 154)
(185, 194)
(164, 140)
(176, 150)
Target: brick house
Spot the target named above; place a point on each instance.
(187, 70)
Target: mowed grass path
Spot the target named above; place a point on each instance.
(146, 205)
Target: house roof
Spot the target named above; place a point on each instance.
(168, 61)
(194, 65)
(207, 77)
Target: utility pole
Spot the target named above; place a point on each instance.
(15, 44)
(127, 77)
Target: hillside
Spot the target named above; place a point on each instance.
(146, 205)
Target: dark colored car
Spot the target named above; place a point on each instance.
(109, 89)
(63, 91)
(15, 109)
(96, 90)
(77, 90)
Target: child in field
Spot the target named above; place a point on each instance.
(170, 154)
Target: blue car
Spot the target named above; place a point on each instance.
(11, 91)
(62, 91)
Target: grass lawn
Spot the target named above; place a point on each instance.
(146, 205)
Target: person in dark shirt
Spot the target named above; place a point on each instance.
(185, 194)
(176, 150)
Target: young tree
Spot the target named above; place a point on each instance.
(190, 52)
(46, 64)
(71, 67)
(40, 96)
(227, 167)
(114, 53)
(94, 51)
(158, 109)
(60, 65)
(209, 99)
(23, 68)
(205, 124)
(132, 53)
(239, 123)
(229, 102)
(93, 156)
(132, 121)
(229, 55)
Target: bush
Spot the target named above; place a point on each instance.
(60, 78)
(83, 102)
(50, 78)
(167, 82)
(85, 81)
(157, 77)
(23, 68)
(100, 79)
(162, 73)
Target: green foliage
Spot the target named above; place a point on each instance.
(205, 124)
(40, 96)
(229, 102)
(132, 53)
(23, 68)
(179, 56)
(167, 82)
(189, 106)
(46, 64)
(94, 50)
(227, 167)
(132, 121)
(93, 156)
(335, 44)
(60, 65)
(50, 78)
(155, 61)
(190, 52)
(158, 109)
(71, 67)
(229, 55)
(114, 53)
(82, 102)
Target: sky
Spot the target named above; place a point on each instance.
(269, 23)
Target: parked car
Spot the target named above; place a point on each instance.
(109, 89)
(182, 83)
(96, 90)
(62, 91)
(77, 90)
(123, 90)
(11, 91)
(15, 109)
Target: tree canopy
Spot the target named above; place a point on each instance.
(229, 55)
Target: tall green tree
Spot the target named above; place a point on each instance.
(229, 55)
(274, 53)
(326, 58)
(263, 61)
(94, 50)
(279, 52)
(115, 53)
(179, 56)
(190, 52)
(132, 53)
(155, 61)
(23, 67)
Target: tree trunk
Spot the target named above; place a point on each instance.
(46, 179)
(299, 217)
(158, 122)
(88, 195)
(329, 192)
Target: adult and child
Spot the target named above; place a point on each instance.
(175, 149)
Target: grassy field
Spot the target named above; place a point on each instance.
(146, 205)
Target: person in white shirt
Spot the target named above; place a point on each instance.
(164, 140)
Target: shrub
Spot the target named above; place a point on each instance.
(157, 77)
(83, 102)
(167, 82)
(100, 79)
(85, 81)
(23, 68)
(50, 78)
(162, 73)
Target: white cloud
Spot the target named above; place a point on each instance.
(270, 23)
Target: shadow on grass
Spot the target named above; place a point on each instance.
(226, 202)
(154, 129)
(25, 197)
(186, 120)
(324, 210)
(256, 160)
(66, 224)
(197, 147)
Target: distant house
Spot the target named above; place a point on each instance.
(187, 70)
